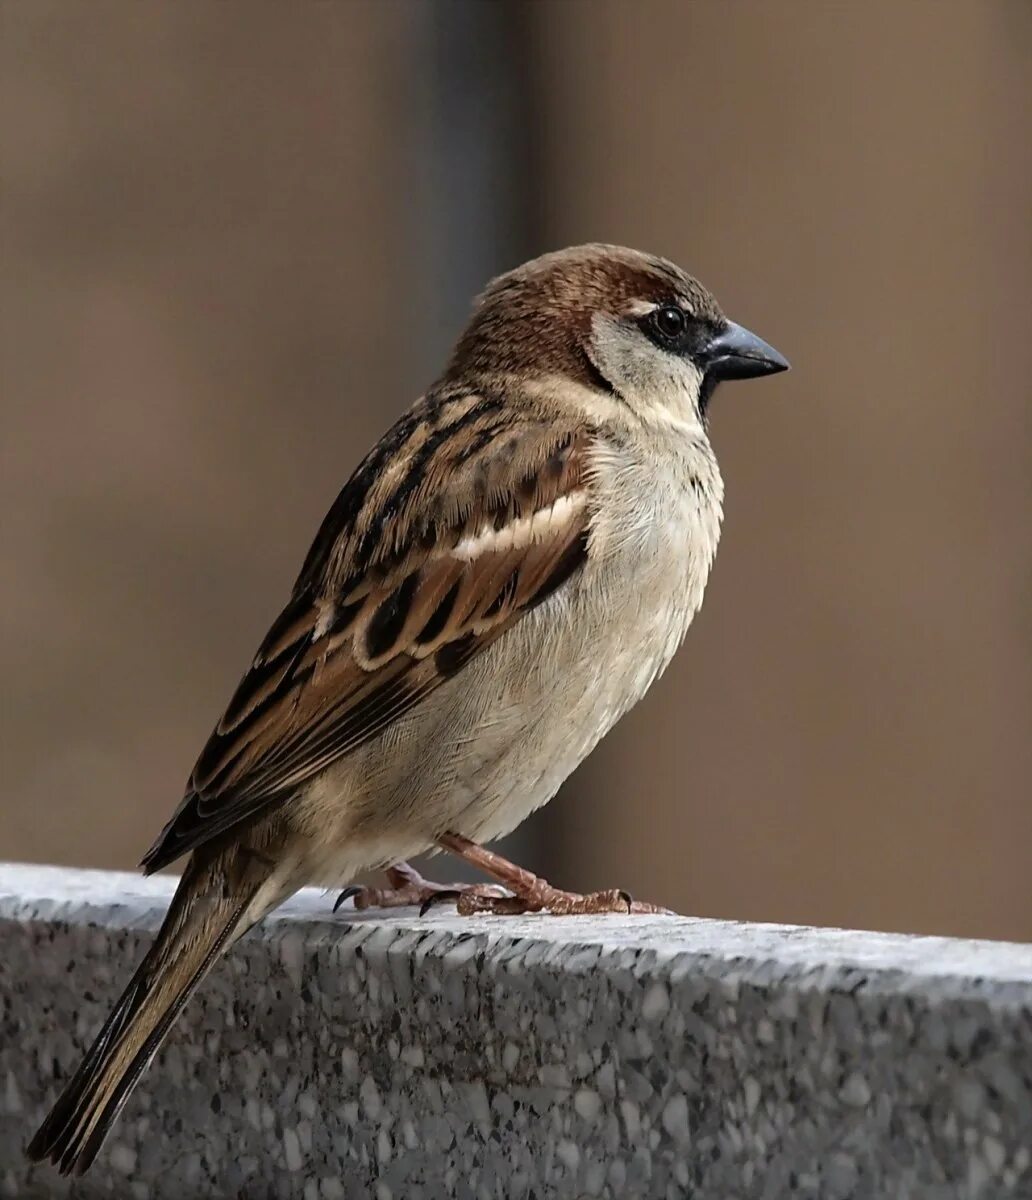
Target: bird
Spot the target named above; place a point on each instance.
(503, 576)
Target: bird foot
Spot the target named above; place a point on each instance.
(547, 899)
(529, 892)
(409, 888)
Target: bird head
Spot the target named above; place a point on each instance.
(624, 324)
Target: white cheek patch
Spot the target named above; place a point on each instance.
(522, 532)
(685, 375)
(653, 382)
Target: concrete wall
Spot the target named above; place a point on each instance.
(389, 1055)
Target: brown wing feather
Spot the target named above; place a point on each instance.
(487, 519)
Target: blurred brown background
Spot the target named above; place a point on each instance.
(236, 240)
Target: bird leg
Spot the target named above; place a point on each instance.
(408, 887)
(530, 893)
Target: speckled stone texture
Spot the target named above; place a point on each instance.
(407, 1058)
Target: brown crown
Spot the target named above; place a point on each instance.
(537, 318)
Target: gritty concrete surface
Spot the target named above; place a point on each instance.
(407, 1058)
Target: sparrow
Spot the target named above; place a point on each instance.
(504, 575)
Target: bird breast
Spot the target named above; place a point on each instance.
(504, 734)
(562, 678)
(654, 535)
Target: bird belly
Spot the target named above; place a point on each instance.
(568, 678)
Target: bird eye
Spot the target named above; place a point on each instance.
(670, 321)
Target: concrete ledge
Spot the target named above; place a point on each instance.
(407, 1058)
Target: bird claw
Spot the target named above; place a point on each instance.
(346, 895)
(444, 896)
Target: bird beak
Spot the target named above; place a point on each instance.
(735, 353)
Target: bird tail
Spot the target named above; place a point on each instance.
(206, 915)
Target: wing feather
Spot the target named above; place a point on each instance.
(404, 585)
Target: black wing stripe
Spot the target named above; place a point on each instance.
(439, 618)
(261, 685)
(388, 620)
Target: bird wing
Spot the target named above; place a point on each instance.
(463, 518)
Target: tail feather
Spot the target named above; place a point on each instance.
(70, 1102)
(203, 919)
